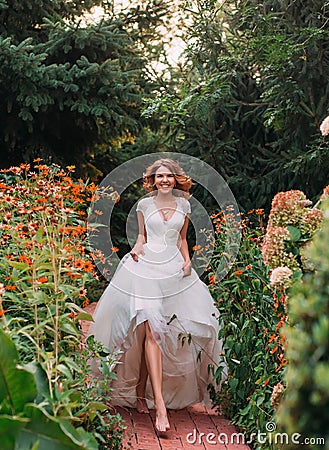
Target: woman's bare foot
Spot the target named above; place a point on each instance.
(141, 405)
(161, 419)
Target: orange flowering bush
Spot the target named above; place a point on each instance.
(44, 268)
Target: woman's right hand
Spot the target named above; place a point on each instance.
(136, 251)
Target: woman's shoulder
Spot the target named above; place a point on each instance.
(144, 203)
(184, 204)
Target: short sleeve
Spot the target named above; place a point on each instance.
(186, 207)
(142, 205)
(139, 206)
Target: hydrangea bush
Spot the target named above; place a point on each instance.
(304, 408)
(292, 223)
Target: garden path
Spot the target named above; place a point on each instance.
(193, 428)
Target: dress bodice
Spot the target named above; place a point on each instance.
(158, 230)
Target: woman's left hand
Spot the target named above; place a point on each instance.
(187, 268)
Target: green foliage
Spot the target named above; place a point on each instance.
(252, 94)
(69, 85)
(29, 423)
(305, 405)
(250, 314)
(44, 270)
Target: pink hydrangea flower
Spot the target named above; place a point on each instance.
(324, 127)
(281, 276)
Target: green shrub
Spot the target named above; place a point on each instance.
(251, 315)
(305, 405)
(44, 271)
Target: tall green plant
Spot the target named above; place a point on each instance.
(44, 268)
(252, 95)
(250, 314)
(305, 405)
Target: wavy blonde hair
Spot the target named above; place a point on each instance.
(182, 181)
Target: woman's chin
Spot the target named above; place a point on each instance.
(165, 190)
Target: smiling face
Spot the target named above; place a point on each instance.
(164, 179)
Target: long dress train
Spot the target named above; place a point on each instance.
(179, 310)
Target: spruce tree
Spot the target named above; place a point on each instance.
(66, 84)
(253, 94)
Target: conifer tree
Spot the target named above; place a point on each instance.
(67, 84)
(253, 94)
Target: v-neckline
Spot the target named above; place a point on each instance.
(160, 214)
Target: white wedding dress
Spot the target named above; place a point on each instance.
(180, 312)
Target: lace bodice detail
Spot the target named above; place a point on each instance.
(158, 230)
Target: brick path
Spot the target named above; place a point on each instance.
(194, 428)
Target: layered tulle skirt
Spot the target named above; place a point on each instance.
(183, 320)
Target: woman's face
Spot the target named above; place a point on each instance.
(164, 179)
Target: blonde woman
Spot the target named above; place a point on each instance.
(156, 312)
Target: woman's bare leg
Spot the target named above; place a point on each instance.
(140, 390)
(141, 404)
(153, 359)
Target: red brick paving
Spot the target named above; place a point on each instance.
(194, 428)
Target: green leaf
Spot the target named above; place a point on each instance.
(295, 234)
(12, 396)
(52, 434)
(65, 371)
(260, 400)
(234, 383)
(92, 408)
(85, 316)
(40, 378)
(9, 430)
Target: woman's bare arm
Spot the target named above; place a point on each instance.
(187, 268)
(141, 238)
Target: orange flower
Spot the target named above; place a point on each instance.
(42, 280)
(275, 349)
(272, 337)
(82, 292)
(72, 315)
(2, 312)
(25, 260)
(249, 266)
(212, 279)
(79, 264)
(238, 272)
(114, 249)
(88, 266)
(11, 288)
(92, 187)
(85, 302)
(266, 381)
(280, 367)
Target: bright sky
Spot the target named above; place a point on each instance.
(177, 44)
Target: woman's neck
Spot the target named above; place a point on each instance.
(165, 198)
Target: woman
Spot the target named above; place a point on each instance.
(156, 312)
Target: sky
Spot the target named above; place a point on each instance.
(176, 47)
